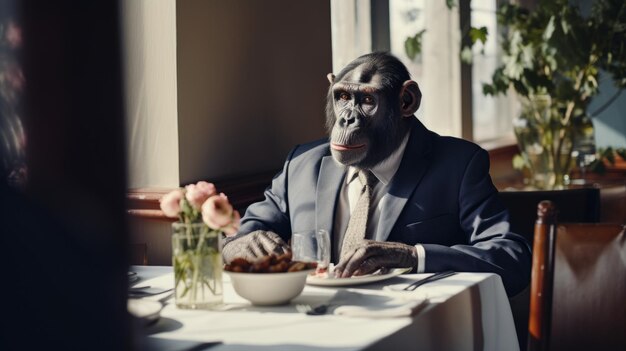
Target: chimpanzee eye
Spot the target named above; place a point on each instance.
(368, 100)
(344, 96)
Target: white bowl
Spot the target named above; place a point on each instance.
(146, 310)
(266, 289)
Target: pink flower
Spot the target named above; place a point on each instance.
(170, 203)
(218, 213)
(198, 193)
(233, 227)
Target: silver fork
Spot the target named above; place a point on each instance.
(432, 278)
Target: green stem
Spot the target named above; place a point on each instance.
(188, 230)
(570, 105)
(195, 266)
(208, 284)
(197, 263)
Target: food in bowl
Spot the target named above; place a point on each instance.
(271, 280)
(269, 264)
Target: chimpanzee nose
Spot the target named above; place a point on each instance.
(353, 118)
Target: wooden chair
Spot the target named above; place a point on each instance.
(578, 287)
(575, 205)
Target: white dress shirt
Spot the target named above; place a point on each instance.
(349, 195)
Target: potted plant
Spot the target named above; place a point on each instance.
(552, 58)
(553, 54)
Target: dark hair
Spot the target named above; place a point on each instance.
(393, 72)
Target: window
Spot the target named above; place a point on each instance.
(492, 116)
(351, 31)
(406, 18)
(437, 69)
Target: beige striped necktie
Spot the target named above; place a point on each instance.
(357, 225)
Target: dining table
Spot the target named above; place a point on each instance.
(464, 311)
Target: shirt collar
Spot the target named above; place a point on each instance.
(386, 169)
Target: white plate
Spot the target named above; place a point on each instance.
(132, 277)
(364, 279)
(145, 309)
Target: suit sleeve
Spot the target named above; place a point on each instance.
(271, 214)
(490, 246)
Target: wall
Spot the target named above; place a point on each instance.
(610, 125)
(251, 83)
(441, 86)
(218, 90)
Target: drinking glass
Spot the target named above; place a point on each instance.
(585, 155)
(311, 246)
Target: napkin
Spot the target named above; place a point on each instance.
(355, 304)
(403, 310)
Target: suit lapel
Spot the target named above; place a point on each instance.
(328, 185)
(412, 168)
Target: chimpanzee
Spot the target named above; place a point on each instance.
(362, 110)
(431, 203)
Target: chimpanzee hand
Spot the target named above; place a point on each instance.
(254, 245)
(372, 255)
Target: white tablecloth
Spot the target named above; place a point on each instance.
(467, 311)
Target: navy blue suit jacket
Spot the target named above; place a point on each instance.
(441, 197)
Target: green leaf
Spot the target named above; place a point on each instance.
(520, 88)
(450, 4)
(547, 33)
(527, 56)
(513, 69)
(499, 85)
(565, 26)
(489, 89)
(550, 58)
(519, 162)
(466, 55)
(413, 45)
(412, 48)
(477, 34)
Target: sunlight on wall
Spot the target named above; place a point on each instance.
(149, 28)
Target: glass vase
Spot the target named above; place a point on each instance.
(197, 262)
(545, 143)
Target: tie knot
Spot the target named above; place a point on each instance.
(367, 178)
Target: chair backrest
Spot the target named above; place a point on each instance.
(578, 286)
(575, 205)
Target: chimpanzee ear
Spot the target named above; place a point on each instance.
(410, 98)
(331, 78)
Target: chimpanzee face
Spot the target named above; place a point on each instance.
(366, 109)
